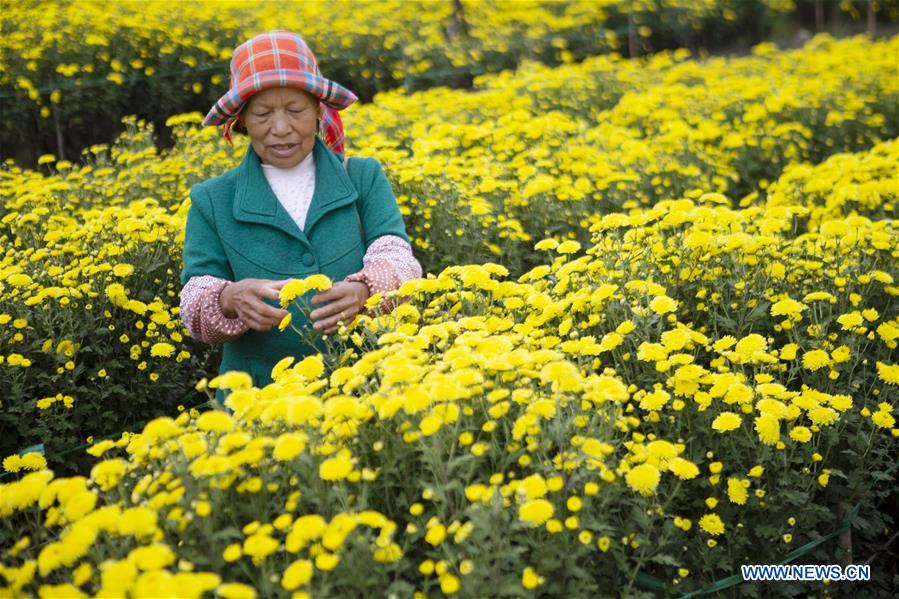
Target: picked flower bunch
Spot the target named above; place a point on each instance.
(294, 292)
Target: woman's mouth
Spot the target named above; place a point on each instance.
(283, 150)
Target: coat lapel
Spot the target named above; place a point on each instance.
(255, 202)
(333, 187)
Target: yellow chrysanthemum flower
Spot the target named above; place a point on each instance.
(535, 511)
(712, 524)
(643, 478)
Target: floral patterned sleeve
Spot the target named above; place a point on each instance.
(387, 264)
(201, 312)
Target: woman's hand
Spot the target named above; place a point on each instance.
(345, 301)
(244, 299)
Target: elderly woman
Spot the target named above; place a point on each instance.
(293, 207)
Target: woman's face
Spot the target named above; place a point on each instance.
(281, 123)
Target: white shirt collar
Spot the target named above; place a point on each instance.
(303, 168)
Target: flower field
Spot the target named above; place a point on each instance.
(657, 340)
(121, 42)
(117, 37)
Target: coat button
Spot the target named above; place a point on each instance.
(308, 259)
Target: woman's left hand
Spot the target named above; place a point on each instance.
(345, 300)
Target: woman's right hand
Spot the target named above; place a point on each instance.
(244, 299)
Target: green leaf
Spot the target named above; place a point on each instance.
(666, 560)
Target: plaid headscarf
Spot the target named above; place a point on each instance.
(280, 59)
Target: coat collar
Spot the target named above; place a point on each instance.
(255, 202)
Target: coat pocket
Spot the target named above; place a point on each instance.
(260, 371)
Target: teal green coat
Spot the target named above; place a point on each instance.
(237, 229)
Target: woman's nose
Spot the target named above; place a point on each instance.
(280, 123)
